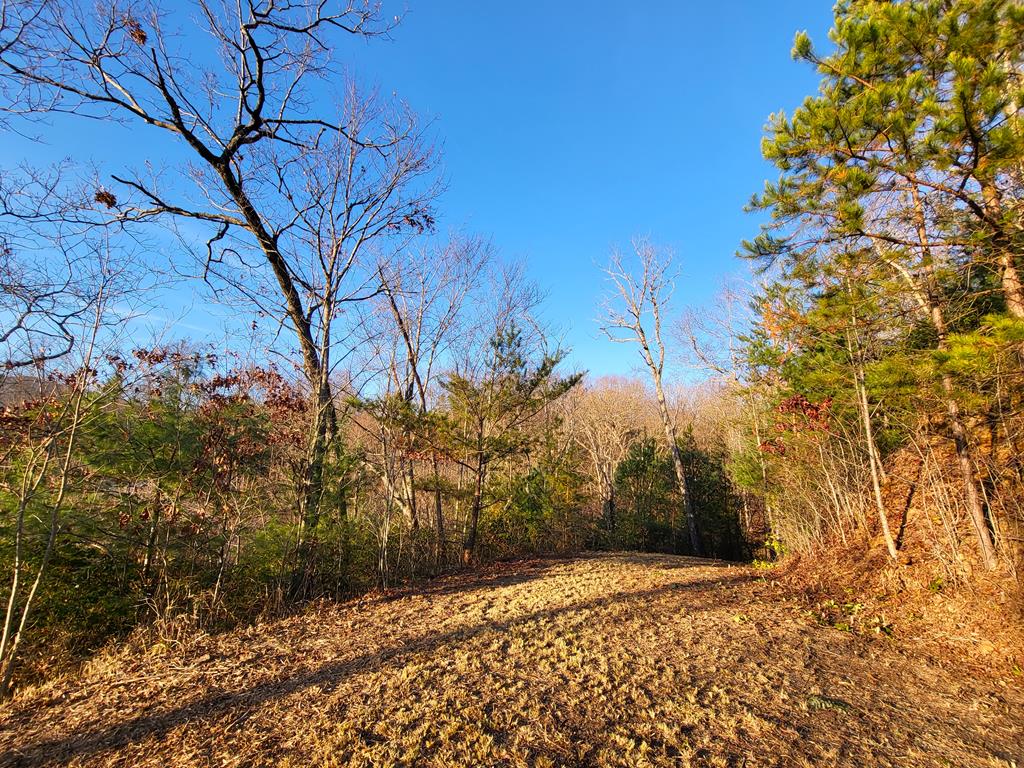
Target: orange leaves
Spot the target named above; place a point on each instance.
(135, 30)
(105, 197)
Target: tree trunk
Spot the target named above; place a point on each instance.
(1012, 289)
(474, 516)
(10, 644)
(154, 530)
(409, 481)
(312, 489)
(1009, 276)
(874, 459)
(961, 441)
(439, 552)
(313, 364)
(962, 444)
(609, 505)
(680, 470)
(763, 466)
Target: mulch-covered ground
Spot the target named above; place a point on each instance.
(618, 660)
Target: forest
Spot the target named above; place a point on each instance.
(395, 405)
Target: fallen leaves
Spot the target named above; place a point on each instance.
(613, 660)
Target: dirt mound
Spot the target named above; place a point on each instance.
(618, 660)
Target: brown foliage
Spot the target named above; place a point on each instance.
(135, 30)
(105, 197)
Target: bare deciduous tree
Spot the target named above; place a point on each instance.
(291, 196)
(605, 420)
(38, 449)
(424, 305)
(47, 278)
(634, 312)
(711, 340)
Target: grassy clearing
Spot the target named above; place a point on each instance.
(618, 660)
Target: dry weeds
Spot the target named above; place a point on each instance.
(617, 660)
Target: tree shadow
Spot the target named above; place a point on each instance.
(499, 575)
(671, 562)
(85, 743)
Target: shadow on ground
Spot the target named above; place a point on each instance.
(109, 738)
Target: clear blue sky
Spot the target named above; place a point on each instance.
(569, 127)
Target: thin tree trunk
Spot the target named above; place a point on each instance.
(439, 552)
(874, 458)
(10, 655)
(154, 530)
(869, 438)
(10, 644)
(409, 481)
(677, 466)
(961, 441)
(611, 508)
(470, 541)
(833, 491)
(9, 636)
(763, 466)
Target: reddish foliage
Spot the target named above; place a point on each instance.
(815, 415)
(105, 197)
(805, 417)
(773, 447)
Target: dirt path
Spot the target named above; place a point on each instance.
(618, 660)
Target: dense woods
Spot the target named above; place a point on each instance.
(400, 408)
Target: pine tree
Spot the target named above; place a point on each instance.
(907, 161)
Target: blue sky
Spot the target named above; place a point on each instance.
(572, 127)
(569, 127)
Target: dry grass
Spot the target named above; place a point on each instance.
(979, 619)
(618, 660)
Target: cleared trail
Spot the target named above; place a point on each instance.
(618, 660)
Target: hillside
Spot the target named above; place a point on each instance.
(631, 660)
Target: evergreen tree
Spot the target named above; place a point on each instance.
(905, 169)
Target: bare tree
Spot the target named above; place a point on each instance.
(291, 196)
(47, 277)
(37, 450)
(424, 304)
(710, 339)
(634, 312)
(605, 420)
